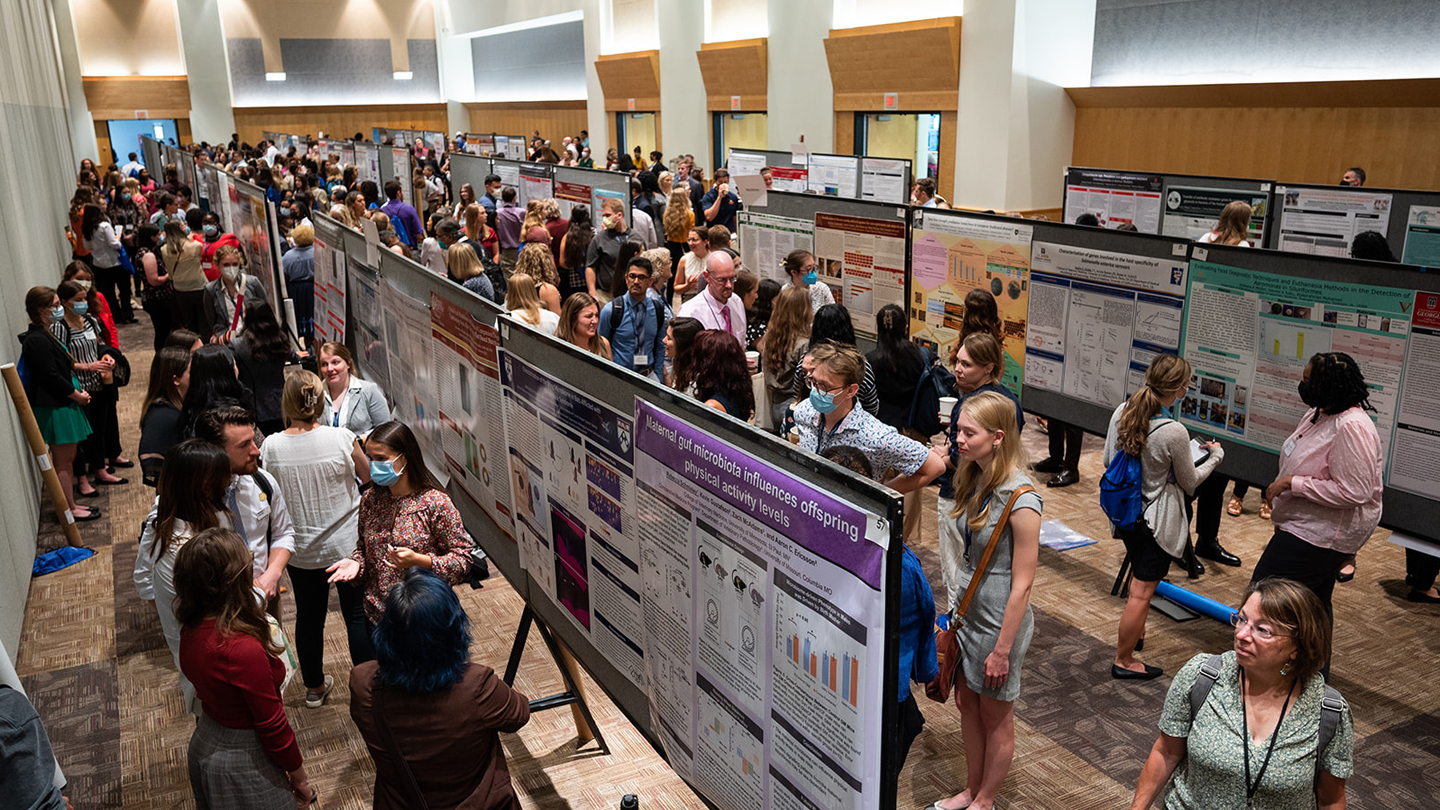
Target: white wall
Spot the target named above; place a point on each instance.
(202, 41)
(37, 170)
(801, 100)
(684, 122)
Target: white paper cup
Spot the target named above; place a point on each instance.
(947, 404)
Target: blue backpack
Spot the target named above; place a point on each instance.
(401, 231)
(1121, 498)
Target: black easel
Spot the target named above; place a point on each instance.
(1121, 588)
(572, 691)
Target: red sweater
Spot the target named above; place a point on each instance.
(239, 685)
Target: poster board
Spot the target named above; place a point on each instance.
(330, 276)
(252, 227)
(575, 186)
(833, 175)
(1188, 207)
(765, 241)
(515, 147)
(1315, 219)
(952, 253)
(536, 182)
(1115, 197)
(509, 172)
(468, 168)
(885, 179)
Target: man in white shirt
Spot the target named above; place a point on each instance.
(717, 306)
(434, 191)
(133, 167)
(271, 153)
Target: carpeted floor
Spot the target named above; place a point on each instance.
(97, 669)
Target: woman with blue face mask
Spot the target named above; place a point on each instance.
(406, 520)
(804, 273)
(56, 397)
(82, 334)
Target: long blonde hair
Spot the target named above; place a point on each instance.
(536, 261)
(475, 226)
(1167, 374)
(534, 216)
(992, 412)
(464, 263)
(790, 320)
(676, 210)
(521, 296)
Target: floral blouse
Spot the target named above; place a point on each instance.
(426, 522)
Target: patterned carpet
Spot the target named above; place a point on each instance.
(97, 669)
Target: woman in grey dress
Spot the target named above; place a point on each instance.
(998, 624)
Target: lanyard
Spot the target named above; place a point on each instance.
(967, 526)
(1250, 789)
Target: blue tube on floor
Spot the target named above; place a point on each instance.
(1194, 601)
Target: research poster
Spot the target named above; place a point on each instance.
(1250, 334)
(369, 312)
(570, 195)
(744, 163)
(411, 352)
(470, 407)
(572, 471)
(1324, 221)
(833, 176)
(330, 284)
(509, 174)
(764, 624)
(514, 147)
(400, 167)
(883, 180)
(1422, 236)
(789, 178)
(863, 260)
(1192, 211)
(1414, 455)
(766, 240)
(1115, 198)
(949, 257)
(535, 183)
(248, 213)
(1097, 319)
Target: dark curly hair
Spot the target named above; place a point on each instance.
(718, 367)
(1338, 384)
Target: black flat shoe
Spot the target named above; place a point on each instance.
(114, 483)
(1341, 576)
(1211, 549)
(94, 515)
(124, 465)
(1422, 598)
(1064, 478)
(80, 494)
(1049, 465)
(1119, 673)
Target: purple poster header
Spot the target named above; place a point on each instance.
(809, 517)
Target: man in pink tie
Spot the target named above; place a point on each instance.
(717, 306)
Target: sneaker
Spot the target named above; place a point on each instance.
(315, 698)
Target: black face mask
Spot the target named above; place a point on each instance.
(1307, 394)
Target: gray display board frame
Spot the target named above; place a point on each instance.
(1258, 186)
(614, 182)
(468, 168)
(772, 157)
(1400, 202)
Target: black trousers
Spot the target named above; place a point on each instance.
(358, 628)
(191, 307)
(112, 280)
(1290, 557)
(164, 317)
(1065, 441)
(103, 443)
(909, 722)
(312, 603)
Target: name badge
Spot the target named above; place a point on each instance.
(642, 359)
(1289, 447)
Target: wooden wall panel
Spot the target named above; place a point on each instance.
(1399, 147)
(735, 69)
(919, 60)
(624, 76)
(341, 122)
(554, 119)
(120, 96)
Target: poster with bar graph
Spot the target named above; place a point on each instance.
(1249, 336)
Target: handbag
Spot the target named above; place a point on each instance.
(377, 708)
(287, 653)
(947, 641)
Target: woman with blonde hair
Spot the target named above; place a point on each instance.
(534, 216)
(1168, 475)
(580, 324)
(997, 505)
(522, 298)
(477, 230)
(467, 270)
(783, 346)
(1233, 227)
(539, 264)
(679, 218)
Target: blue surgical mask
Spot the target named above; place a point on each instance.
(211, 230)
(811, 277)
(822, 403)
(80, 307)
(57, 313)
(384, 473)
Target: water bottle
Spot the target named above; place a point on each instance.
(630, 802)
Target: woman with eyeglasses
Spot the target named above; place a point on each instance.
(1259, 728)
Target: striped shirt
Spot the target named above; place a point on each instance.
(84, 348)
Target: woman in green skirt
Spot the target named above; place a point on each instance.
(54, 393)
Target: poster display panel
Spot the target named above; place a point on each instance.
(1422, 236)
(1324, 221)
(744, 163)
(535, 183)
(863, 261)
(367, 162)
(509, 174)
(569, 195)
(1097, 318)
(952, 255)
(1192, 211)
(1249, 335)
(766, 240)
(571, 463)
(329, 281)
(833, 176)
(1115, 198)
(789, 178)
(514, 147)
(369, 311)
(1415, 447)
(247, 205)
(885, 180)
(470, 405)
(764, 617)
(400, 167)
(410, 350)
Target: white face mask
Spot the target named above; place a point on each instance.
(230, 272)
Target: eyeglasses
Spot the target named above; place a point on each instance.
(723, 282)
(814, 383)
(1260, 631)
(637, 277)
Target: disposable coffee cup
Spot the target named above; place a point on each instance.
(947, 404)
(752, 360)
(794, 435)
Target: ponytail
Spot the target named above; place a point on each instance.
(1167, 374)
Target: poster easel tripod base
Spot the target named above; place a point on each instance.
(573, 696)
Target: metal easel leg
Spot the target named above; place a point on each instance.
(573, 696)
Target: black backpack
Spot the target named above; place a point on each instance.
(935, 382)
(657, 308)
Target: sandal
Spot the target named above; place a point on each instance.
(1236, 507)
(1264, 511)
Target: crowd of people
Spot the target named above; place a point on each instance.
(263, 467)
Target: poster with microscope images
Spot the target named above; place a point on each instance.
(572, 482)
(764, 617)
(412, 383)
